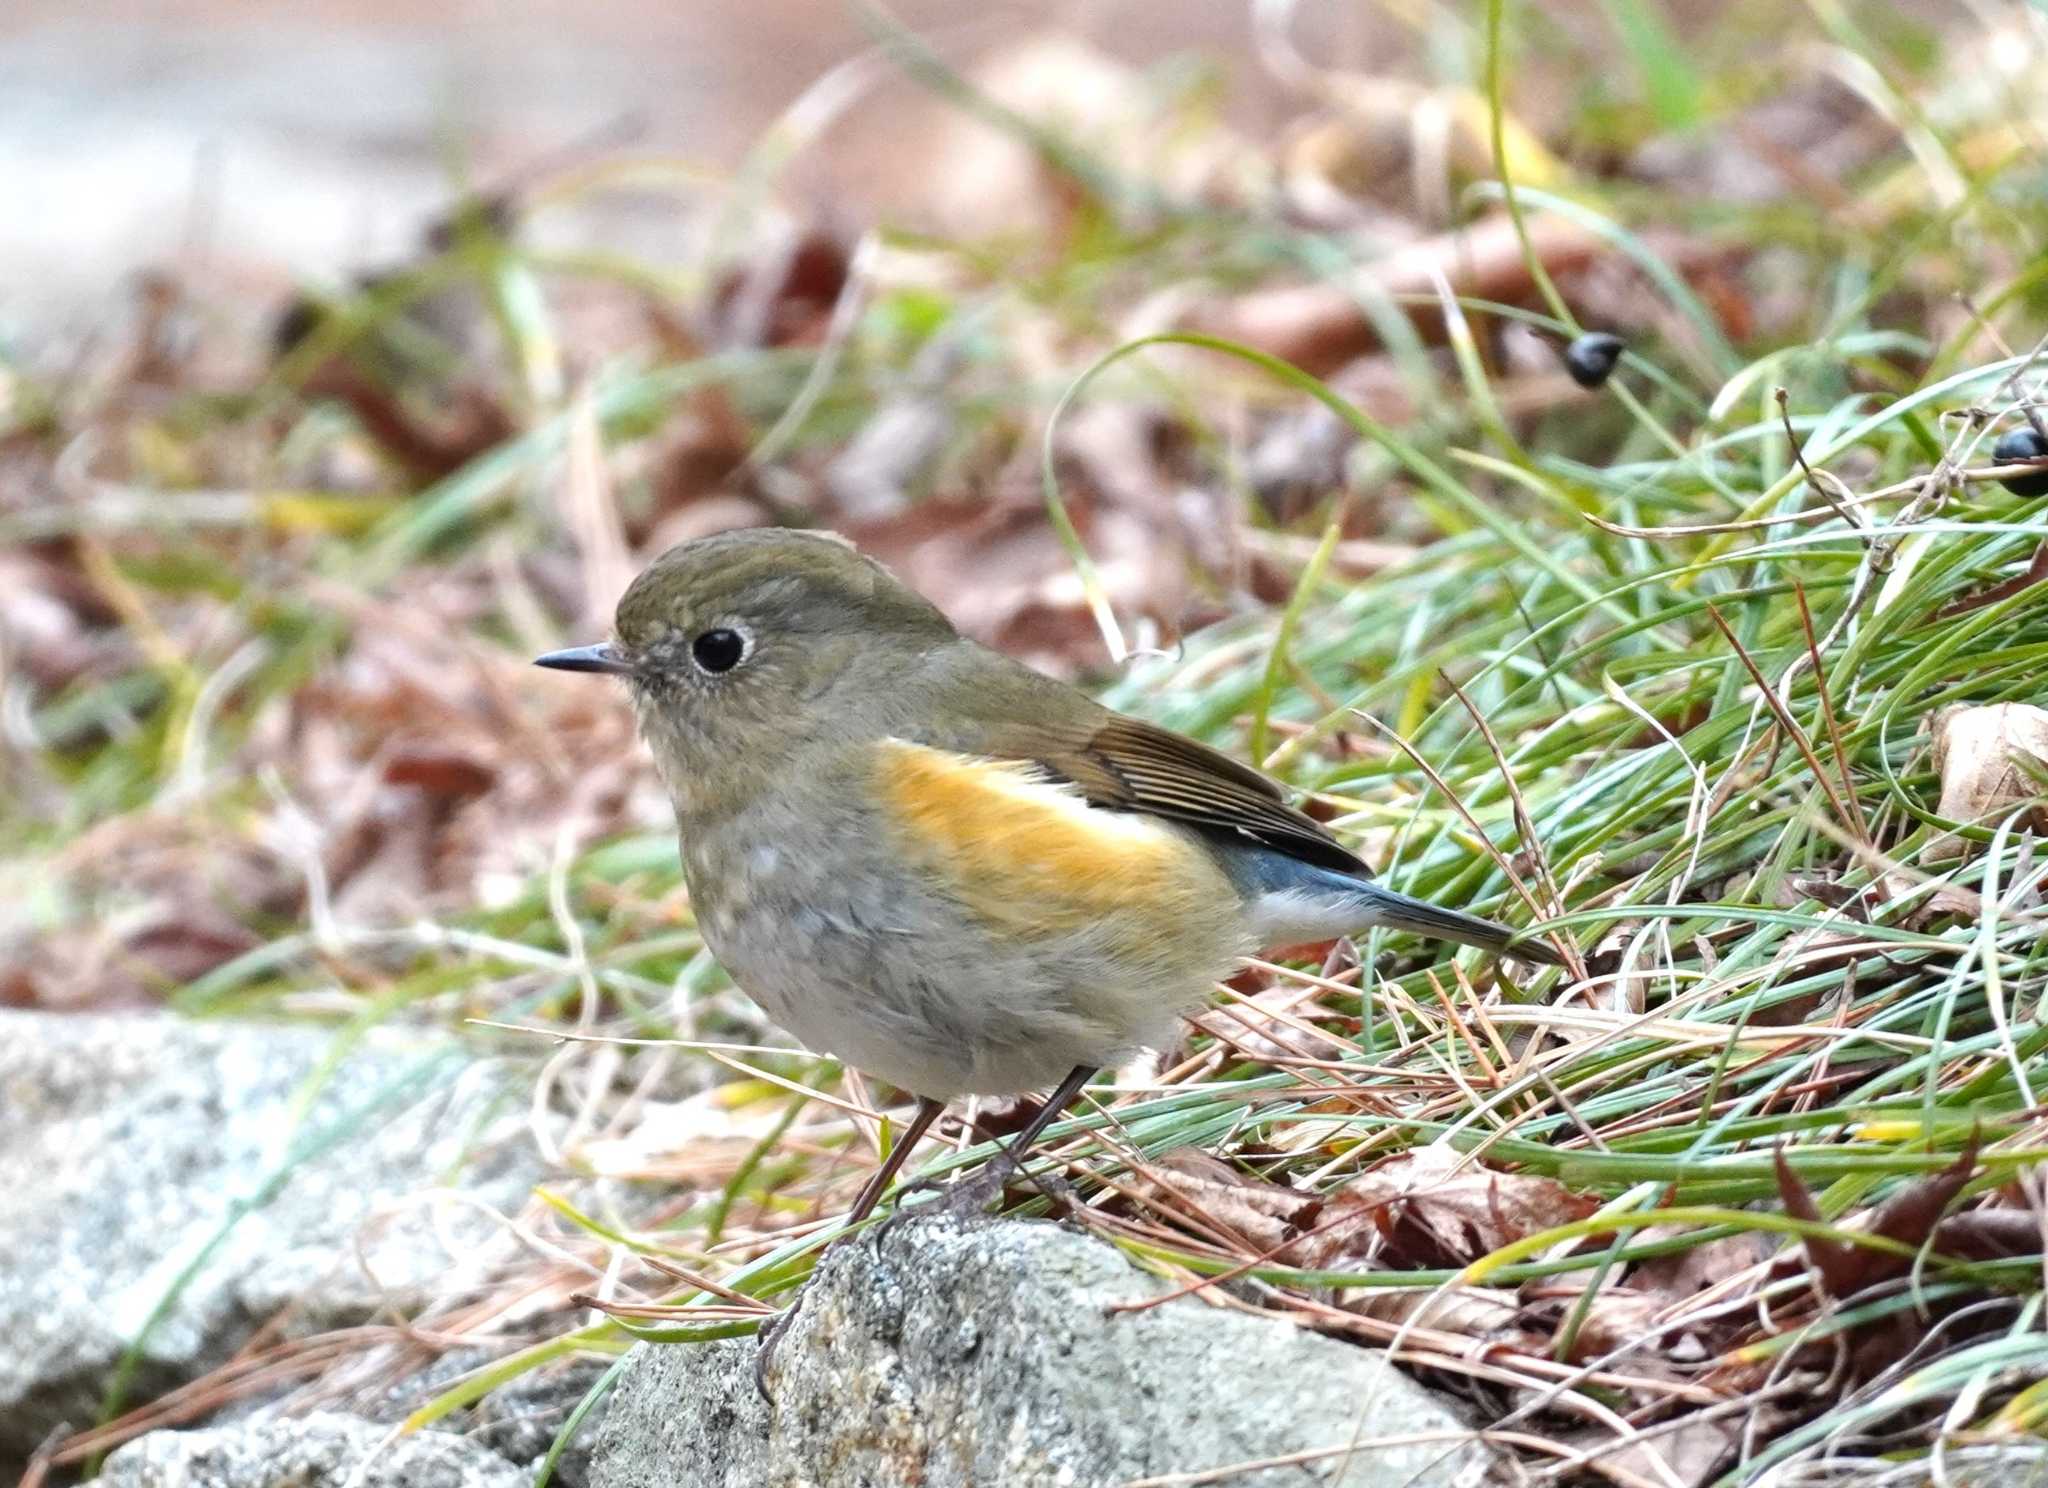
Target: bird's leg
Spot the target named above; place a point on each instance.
(772, 1331)
(972, 1195)
(1011, 1159)
(871, 1195)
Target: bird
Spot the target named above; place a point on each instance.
(939, 866)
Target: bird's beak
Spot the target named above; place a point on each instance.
(598, 658)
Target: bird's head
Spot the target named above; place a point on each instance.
(738, 644)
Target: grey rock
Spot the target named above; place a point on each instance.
(520, 1419)
(134, 1148)
(988, 1354)
(325, 1450)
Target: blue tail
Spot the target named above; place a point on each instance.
(1291, 901)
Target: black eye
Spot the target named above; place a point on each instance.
(719, 650)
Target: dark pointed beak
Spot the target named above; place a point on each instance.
(599, 658)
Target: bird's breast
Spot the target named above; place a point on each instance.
(955, 923)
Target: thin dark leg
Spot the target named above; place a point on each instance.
(972, 1195)
(1012, 1156)
(770, 1336)
(927, 1112)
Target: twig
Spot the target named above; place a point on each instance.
(1785, 720)
(1457, 804)
(1525, 827)
(1814, 477)
(1827, 709)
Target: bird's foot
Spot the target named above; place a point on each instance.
(769, 1339)
(963, 1198)
(970, 1198)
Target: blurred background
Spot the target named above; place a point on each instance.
(310, 139)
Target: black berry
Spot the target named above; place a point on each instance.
(2015, 447)
(1591, 358)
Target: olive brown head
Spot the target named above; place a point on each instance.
(735, 644)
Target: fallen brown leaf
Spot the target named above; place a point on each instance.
(1618, 1317)
(1683, 1454)
(1319, 327)
(1983, 755)
(1274, 1025)
(783, 294)
(1909, 1215)
(1434, 1206)
(1837, 1261)
(1000, 573)
(1474, 1312)
(1990, 1234)
(1913, 1210)
(439, 771)
(1190, 1183)
(1689, 1272)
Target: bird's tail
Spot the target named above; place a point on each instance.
(1290, 901)
(1384, 908)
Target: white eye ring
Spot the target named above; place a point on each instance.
(721, 647)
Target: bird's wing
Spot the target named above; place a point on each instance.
(1126, 764)
(1019, 845)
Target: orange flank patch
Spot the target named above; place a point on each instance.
(1018, 849)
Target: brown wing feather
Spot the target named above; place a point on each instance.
(1127, 764)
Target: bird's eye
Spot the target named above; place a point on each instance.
(719, 650)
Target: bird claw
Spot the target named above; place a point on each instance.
(970, 1198)
(964, 1199)
(769, 1339)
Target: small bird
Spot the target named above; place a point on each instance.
(939, 866)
